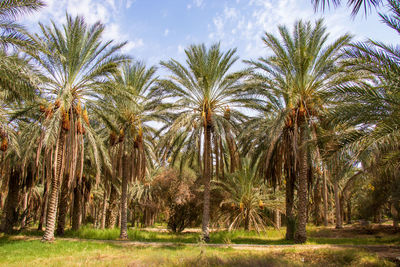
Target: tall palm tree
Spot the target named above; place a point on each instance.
(18, 79)
(205, 100)
(368, 111)
(75, 63)
(295, 81)
(135, 106)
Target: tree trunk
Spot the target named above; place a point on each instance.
(77, 207)
(55, 184)
(325, 197)
(277, 219)
(348, 211)
(112, 210)
(24, 209)
(247, 222)
(337, 206)
(43, 210)
(301, 233)
(124, 200)
(104, 208)
(63, 207)
(206, 179)
(10, 217)
(290, 220)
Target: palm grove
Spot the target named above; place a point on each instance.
(307, 134)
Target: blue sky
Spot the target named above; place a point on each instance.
(161, 29)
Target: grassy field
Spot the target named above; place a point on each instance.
(25, 249)
(17, 252)
(316, 235)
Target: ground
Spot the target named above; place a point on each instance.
(352, 246)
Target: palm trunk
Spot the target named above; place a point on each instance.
(10, 208)
(339, 224)
(104, 208)
(290, 220)
(77, 206)
(206, 179)
(112, 210)
(43, 209)
(216, 151)
(325, 197)
(348, 211)
(24, 209)
(124, 200)
(63, 207)
(55, 184)
(301, 234)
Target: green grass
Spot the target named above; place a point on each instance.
(14, 252)
(269, 237)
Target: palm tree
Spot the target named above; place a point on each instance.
(205, 100)
(11, 33)
(368, 111)
(135, 105)
(18, 79)
(355, 4)
(245, 198)
(295, 81)
(75, 62)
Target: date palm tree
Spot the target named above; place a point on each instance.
(295, 82)
(75, 62)
(205, 100)
(18, 79)
(135, 106)
(368, 111)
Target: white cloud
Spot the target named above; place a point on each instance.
(129, 3)
(198, 3)
(181, 49)
(106, 11)
(166, 32)
(243, 25)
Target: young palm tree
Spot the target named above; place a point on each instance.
(205, 99)
(295, 81)
(75, 63)
(245, 198)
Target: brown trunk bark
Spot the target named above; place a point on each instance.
(290, 220)
(10, 217)
(24, 209)
(325, 197)
(104, 207)
(112, 211)
(42, 219)
(216, 152)
(206, 179)
(124, 200)
(348, 211)
(77, 206)
(277, 219)
(300, 235)
(247, 222)
(63, 207)
(337, 206)
(55, 184)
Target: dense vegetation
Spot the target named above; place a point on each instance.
(88, 136)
